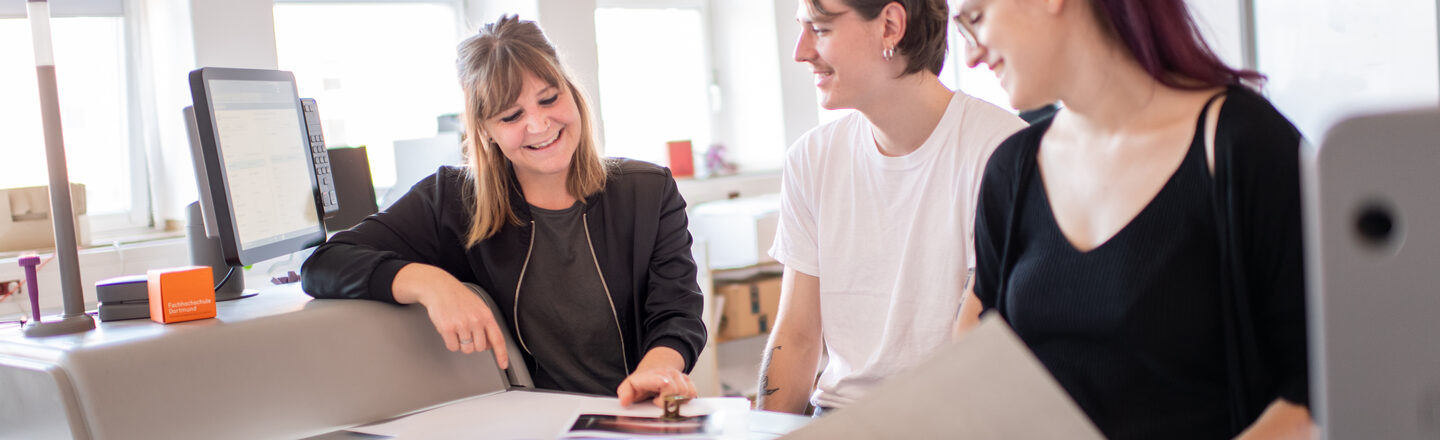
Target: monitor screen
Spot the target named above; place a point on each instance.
(256, 158)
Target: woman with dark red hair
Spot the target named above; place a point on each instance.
(1145, 241)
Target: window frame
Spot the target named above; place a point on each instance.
(138, 219)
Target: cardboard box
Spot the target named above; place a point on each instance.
(181, 294)
(25, 218)
(739, 231)
(750, 307)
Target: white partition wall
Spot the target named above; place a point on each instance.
(1328, 58)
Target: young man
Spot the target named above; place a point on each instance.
(878, 208)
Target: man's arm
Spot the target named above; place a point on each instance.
(970, 308)
(787, 373)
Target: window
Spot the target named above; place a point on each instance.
(379, 71)
(979, 82)
(653, 90)
(90, 67)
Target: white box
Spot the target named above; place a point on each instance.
(739, 231)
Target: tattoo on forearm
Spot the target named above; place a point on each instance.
(765, 389)
(765, 386)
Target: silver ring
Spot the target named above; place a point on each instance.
(466, 342)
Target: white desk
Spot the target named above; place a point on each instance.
(278, 365)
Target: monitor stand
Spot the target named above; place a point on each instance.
(205, 251)
(233, 288)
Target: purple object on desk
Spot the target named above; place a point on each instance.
(29, 263)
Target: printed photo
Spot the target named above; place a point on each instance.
(697, 425)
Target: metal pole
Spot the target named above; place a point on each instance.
(1248, 49)
(62, 216)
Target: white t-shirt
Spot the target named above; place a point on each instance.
(891, 238)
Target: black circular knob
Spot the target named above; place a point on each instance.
(1375, 225)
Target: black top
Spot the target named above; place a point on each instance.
(1136, 330)
(1139, 350)
(565, 315)
(637, 225)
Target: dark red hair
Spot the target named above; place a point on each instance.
(1162, 36)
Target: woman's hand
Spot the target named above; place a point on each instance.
(1282, 420)
(658, 375)
(461, 317)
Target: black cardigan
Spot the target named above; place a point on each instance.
(638, 227)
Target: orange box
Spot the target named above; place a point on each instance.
(181, 294)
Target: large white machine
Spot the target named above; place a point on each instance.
(1372, 224)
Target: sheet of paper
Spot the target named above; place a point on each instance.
(507, 415)
(986, 385)
(539, 415)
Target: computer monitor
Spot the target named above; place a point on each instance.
(259, 185)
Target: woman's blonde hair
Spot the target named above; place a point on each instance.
(492, 66)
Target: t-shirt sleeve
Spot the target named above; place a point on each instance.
(1266, 175)
(796, 244)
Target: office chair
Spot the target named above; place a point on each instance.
(518, 374)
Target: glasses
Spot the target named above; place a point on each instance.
(962, 21)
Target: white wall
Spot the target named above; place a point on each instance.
(184, 35)
(1329, 58)
(752, 120)
(1219, 22)
(481, 12)
(797, 82)
(234, 33)
(570, 24)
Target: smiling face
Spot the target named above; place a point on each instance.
(539, 132)
(844, 51)
(1018, 40)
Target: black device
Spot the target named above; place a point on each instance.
(124, 297)
(123, 311)
(350, 167)
(123, 289)
(259, 193)
(324, 174)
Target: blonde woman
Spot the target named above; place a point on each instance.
(588, 259)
